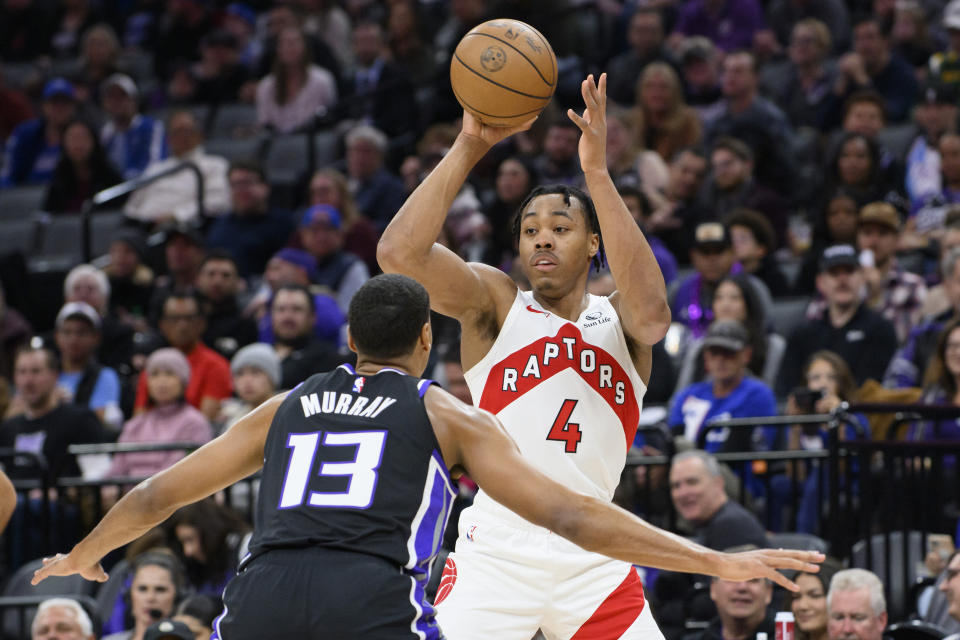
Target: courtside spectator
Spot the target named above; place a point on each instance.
(252, 230)
(809, 604)
(182, 323)
(209, 537)
(742, 608)
(949, 586)
(168, 417)
(174, 198)
(941, 384)
(856, 607)
(848, 327)
(61, 619)
(132, 140)
(33, 148)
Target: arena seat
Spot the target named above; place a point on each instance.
(235, 148)
(787, 314)
(888, 564)
(326, 146)
(19, 202)
(914, 630)
(103, 226)
(17, 236)
(897, 138)
(287, 159)
(801, 541)
(234, 120)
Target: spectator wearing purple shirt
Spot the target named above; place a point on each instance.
(730, 24)
(941, 384)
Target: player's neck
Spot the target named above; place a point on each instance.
(569, 306)
(369, 367)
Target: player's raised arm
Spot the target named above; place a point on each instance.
(225, 460)
(474, 440)
(641, 297)
(408, 245)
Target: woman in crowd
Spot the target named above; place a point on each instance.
(665, 123)
(168, 418)
(256, 377)
(737, 299)
(516, 177)
(407, 47)
(629, 164)
(83, 170)
(100, 51)
(329, 186)
(809, 604)
(941, 385)
(211, 539)
(290, 97)
(856, 167)
(156, 587)
(836, 225)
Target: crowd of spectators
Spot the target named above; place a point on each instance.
(800, 154)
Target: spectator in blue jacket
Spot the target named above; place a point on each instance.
(33, 148)
(131, 140)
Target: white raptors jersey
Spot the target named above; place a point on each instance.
(567, 392)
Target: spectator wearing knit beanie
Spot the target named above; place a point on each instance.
(256, 377)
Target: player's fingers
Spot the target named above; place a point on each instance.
(577, 120)
(602, 89)
(790, 560)
(782, 580)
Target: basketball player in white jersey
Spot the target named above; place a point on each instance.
(565, 371)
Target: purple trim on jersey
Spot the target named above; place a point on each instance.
(429, 534)
(349, 369)
(217, 634)
(425, 622)
(423, 385)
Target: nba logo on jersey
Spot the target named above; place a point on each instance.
(358, 384)
(470, 532)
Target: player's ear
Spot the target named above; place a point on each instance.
(350, 343)
(594, 244)
(426, 335)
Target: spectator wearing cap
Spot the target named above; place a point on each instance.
(712, 257)
(301, 352)
(82, 170)
(645, 35)
(732, 186)
(330, 186)
(321, 233)
(935, 116)
(802, 87)
(131, 139)
(754, 242)
(86, 283)
(168, 630)
(61, 619)
(700, 71)
(252, 230)
(86, 382)
(928, 214)
(895, 293)
(297, 267)
(848, 327)
(755, 121)
(218, 285)
(182, 323)
(40, 421)
(33, 149)
(911, 360)
(944, 67)
(295, 91)
(874, 65)
(730, 24)
(174, 198)
(256, 377)
(131, 280)
(379, 194)
(219, 77)
(167, 416)
(729, 391)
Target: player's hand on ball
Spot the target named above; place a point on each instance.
(763, 563)
(66, 565)
(593, 124)
(490, 135)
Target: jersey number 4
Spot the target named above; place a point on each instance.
(362, 471)
(564, 430)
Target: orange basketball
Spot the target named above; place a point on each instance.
(504, 72)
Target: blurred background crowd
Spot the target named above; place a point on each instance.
(794, 164)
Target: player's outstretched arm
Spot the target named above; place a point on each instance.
(225, 460)
(641, 297)
(476, 441)
(408, 244)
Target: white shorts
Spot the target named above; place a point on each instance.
(507, 583)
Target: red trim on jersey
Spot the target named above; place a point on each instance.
(615, 614)
(494, 398)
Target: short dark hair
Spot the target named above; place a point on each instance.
(49, 355)
(567, 192)
(387, 314)
(758, 225)
(181, 294)
(864, 18)
(248, 164)
(219, 255)
(734, 146)
(630, 191)
(692, 150)
(298, 288)
(868, 96)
